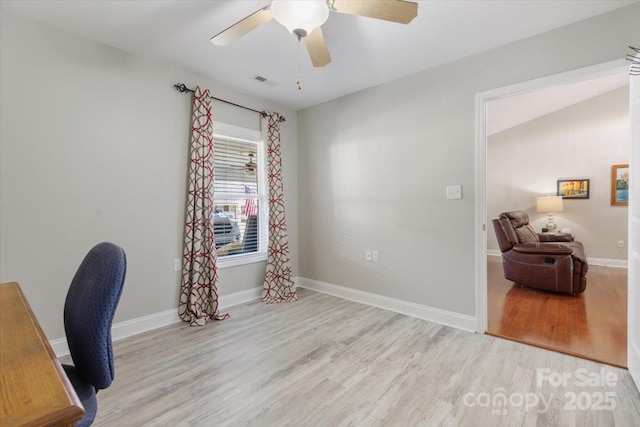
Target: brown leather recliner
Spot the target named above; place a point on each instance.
(537, 260)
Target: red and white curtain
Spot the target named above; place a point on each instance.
(199, 286)
(278, 286)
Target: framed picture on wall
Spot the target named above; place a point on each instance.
(573, 188)
(620, 185)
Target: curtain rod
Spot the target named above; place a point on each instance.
(183, 88)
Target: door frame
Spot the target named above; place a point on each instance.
(633, 314)
(481, 226)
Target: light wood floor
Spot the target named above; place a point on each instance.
(591, 325)
(324, 361)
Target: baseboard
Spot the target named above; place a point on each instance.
(633, 361)
(139, 325)
(617, 263)
(241, 297)
(444, 317)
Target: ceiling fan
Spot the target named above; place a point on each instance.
(251, 166)
(304, 18)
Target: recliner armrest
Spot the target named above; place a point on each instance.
(543, 249)
(555, 237)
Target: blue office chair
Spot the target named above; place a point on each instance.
(88, 314)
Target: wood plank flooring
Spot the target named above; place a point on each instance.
(325, 361)
(592, 325)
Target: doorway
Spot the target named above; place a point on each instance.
(483, 217)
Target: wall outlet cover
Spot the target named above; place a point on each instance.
(454, 192)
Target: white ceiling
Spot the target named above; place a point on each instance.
(515, 110)
(365, 52)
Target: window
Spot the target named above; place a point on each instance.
(239, 195)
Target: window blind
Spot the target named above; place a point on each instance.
(239, 221)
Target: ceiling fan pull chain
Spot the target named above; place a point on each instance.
(299, 80)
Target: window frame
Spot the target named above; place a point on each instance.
(236, 133)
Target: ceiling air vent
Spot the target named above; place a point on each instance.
(264, 80)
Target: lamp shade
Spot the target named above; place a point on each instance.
(549, 204)
(298, 15)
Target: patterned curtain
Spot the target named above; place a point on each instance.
(278, 286)
(199, 286)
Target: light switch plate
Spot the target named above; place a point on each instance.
(454, 192)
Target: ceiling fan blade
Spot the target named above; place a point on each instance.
(389, 10)
(317, 48)
(242, 27)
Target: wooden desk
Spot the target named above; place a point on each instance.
(34, 390)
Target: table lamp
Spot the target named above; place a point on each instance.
(550, 204)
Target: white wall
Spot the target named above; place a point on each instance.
(94, 147)
(581, 141)
(373, 166)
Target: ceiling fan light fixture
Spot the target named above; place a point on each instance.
(300, 17)
(250, 168)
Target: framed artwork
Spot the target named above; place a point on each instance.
(573, 188)
(620, 185)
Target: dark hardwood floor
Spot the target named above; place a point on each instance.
(592, 325)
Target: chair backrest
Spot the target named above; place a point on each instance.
(519, 231)
(502, 228)
(513, 228)
(518, 218)
(250, 238)
(89, 309)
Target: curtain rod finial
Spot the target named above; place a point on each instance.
(182, 88)
(264, 114)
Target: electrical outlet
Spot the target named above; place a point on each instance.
(374, 256)
(621, 243)
(177, 265)
(367, 255)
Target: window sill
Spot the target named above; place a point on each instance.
(236, 260)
